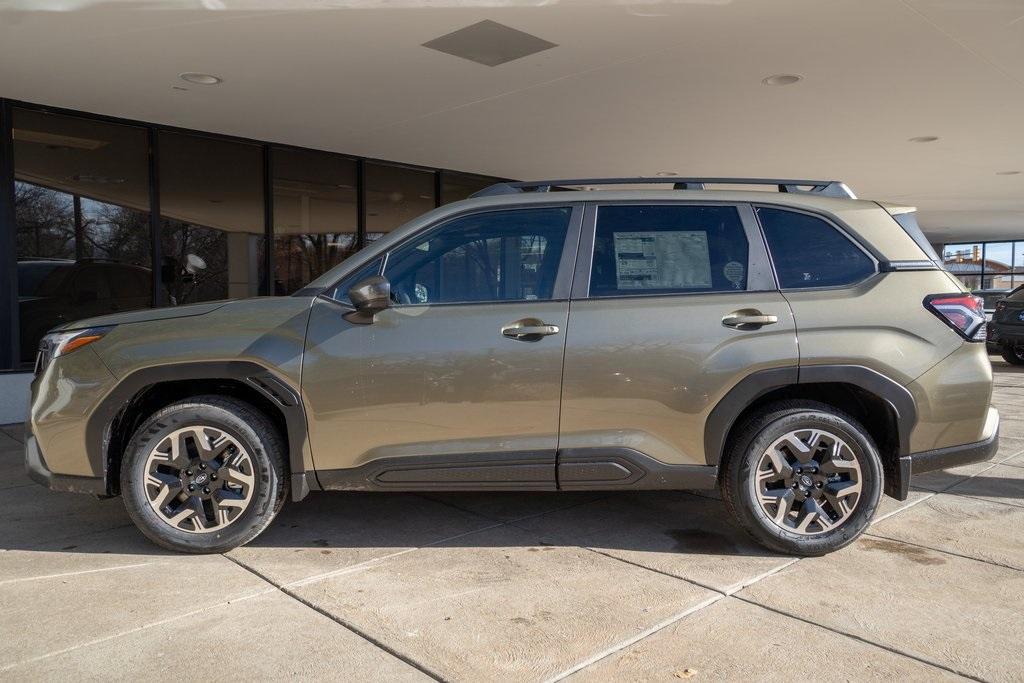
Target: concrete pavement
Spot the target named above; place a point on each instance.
(532, 587)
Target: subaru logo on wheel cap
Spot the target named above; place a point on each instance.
(201, 478)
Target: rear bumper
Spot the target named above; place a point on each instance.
(943, 458)
(1013, 334)
(954, 456)
(35, 465)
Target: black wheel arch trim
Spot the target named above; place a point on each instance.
(724, 415)
(261, 379)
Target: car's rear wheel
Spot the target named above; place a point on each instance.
(1013, 353)
(802, 478)
(204, 475)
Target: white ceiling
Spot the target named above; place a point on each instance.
(631, 89)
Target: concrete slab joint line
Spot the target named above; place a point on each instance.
(637, 638)
(78, 573)
(112, 636)
(337, 620)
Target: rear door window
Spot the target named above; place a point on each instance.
(668, 249)
(809, 252)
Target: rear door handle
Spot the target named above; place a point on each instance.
(528, 329)
(749, 319)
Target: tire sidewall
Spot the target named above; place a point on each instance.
(191, 414)
(1013, 353)
(758, 521)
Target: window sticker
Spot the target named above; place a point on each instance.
(733, 272)
(662, 260)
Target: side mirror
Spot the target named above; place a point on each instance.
(370, 297)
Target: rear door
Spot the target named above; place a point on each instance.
(673, 304)
(457, 384)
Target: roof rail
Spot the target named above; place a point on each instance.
(825, 188)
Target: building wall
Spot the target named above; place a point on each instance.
(100, 215)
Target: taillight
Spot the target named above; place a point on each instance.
(963, 312)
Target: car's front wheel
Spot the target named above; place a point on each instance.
(802, 478)
(204, 475)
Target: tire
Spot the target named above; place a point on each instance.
(855, 474)
(1013, 353)
(229, 507)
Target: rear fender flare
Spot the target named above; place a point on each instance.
(749, 389)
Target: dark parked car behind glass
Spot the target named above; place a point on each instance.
(56, 291)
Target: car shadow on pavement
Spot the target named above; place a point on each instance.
(661, 522)
(656, 521)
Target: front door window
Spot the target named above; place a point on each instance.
(493, 256)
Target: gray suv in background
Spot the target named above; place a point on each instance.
(801, 350)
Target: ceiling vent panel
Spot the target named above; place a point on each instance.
(489, 43)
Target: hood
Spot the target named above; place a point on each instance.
(145, 315)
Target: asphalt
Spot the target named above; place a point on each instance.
(525, 587)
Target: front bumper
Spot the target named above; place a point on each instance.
(37, 470)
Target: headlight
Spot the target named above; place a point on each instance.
(58, 344)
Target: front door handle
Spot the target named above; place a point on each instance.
(528, 329)
(749, 319)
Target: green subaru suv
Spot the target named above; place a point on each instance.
(801, 350)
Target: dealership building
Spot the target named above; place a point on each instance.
(196, 151)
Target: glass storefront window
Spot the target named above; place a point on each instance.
(996, 266)
(456, 186)
(965, 261)
(315, 215)
(84, 237)
(211, 204)
(81, 202)
(394, 195)
(999, 257)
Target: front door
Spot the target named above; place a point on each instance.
(457, 384)
(673, 304)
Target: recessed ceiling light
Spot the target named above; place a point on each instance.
(924, 138)
(782, 79)
(670, 174)
(1007, 172)
(200, 79)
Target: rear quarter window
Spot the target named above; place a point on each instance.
(809, 252)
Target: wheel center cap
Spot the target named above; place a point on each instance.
(804, 481)
(201, 479)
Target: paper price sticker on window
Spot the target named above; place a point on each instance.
(662, 260)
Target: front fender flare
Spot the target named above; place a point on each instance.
(253, 375)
